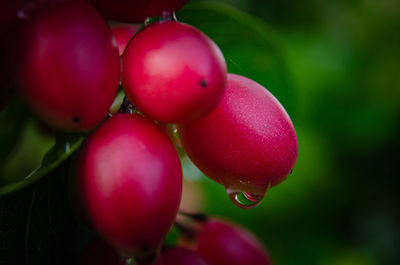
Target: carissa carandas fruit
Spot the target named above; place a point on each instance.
(223, 243)
(135, 11)
(68, 66)
(123, 33)
(130, 184)
(173, 73)
(248, 143)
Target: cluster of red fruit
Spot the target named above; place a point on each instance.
(129, 176)
(214, 242)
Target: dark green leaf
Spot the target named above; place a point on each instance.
(36, 225)
(12, 119)
(65, 145)
(250, 47)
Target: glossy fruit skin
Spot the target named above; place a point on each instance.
(248, 143)
(123, 33)
(173, 73)
(180, 256)
(135, 11)
(130, 183)
(100, 253)
(68, 67)
(223, 243)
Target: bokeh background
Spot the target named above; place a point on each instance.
(335, 67)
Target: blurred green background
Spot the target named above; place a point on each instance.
(335, 67)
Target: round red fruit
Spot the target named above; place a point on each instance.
(173, 73)
(222, 243)
(136, 11)
(130, 183)
(68, 67)
(123, 33)
(248, 143)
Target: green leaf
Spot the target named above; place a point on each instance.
(36, 225)
(251, 48)
(65, 145)
(12, 119)
(33, 143)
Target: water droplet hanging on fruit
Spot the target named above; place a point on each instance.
(245, 200)
(232, 145)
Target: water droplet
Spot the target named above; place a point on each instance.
(168, 15)
(245, 200)
(165, 16)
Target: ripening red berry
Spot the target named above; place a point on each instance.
(68, 67)
(173, 73)
(135, 11)
(180, 256)
(248, 143)
(123, 33)
(98, 252)
(223, 243)
(130, 183)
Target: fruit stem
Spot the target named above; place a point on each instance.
(127, 107)
(199, 217)
(186, 231)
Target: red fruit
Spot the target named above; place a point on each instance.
(123, 33)
(99, 252)
(173, 73)
(222, 243)
(180, 256)
(68, 66)
(130, 181)
(248, 143)
(135, 11)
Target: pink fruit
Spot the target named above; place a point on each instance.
(130, 181)
(180, 256)
(123, 33)
(173, 73)
(135, 11)
(248, 143)
(68, 66)
(222, 243)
